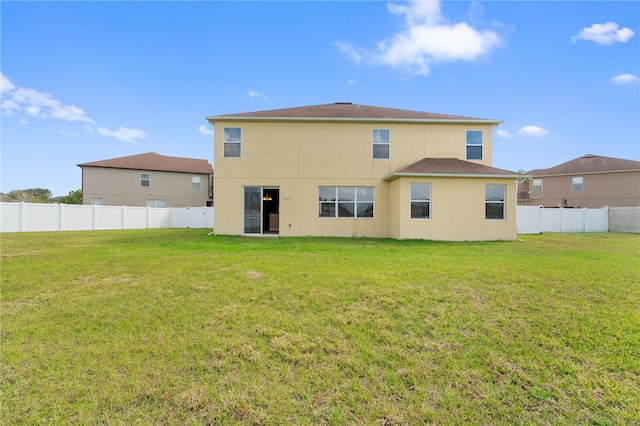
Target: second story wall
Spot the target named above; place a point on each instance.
(126, 187)
(295, 149)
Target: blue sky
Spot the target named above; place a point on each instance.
(87, 81)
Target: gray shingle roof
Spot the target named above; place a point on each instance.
(588, 163)
(155, 162)
(349, 112)
(451, 167)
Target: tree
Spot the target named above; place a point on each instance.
(74, 197)
(31, 195)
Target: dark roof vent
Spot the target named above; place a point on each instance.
(344, 103)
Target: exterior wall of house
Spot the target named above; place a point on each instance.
(121, 187)
(457, 211)
(299, 157)
(614, 189)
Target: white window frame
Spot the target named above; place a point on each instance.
(377, 143)
(419, 200)
(536, 183)
(577, 183)
(146, 179)
(502, 202)
(336, 201)
(227, 141)
(195, 182)
(474, 145)
(153, 203)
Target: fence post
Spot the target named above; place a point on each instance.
(148, 216)
(123, 216)
(93, 221)
(61, 224)
(22, 216)
(584, 219)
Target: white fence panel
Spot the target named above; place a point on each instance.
(42, 217)
(596, 220)
(551, 220)
(77, 218)
(534, 220)
(135, 218)
(529, 220)
(32, 217)
(10, 217)
(624, 219)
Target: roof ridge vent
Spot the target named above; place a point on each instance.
(343, 103)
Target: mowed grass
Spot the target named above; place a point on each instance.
(177, 327)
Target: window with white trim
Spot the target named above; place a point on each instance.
(474, 144)
(576, 183)
(494, 202)
(232, 141)
(536, 185)
(156, 203)
(420, 200)
(195, 182)
(345, 201)
(145, 179)
(380, 143)
(97, 201)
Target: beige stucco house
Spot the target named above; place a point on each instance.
(353, 170)
(590, 181)
(149, 179)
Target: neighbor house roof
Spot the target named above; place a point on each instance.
(589, 163)
(451, 167)
(155, 162)
(347, 111)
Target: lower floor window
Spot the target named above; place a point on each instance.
(420, 200)
(156, 203)
(345, 201)
(494, 201)
(97, 201)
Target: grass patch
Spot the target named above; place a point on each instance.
(177, 327)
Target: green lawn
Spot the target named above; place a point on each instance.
(177, 327)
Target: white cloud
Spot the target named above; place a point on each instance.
(351, 82)
(205, 131)
(24, 121)
(604, 34)
(5, 84)
(37, 104)
(254, 94)
(624, 79)
(502, 134)
(124, 134)
(72, 134)
(89, 129)
(532, 131)
(427, 39)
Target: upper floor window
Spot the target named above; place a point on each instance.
(420, 200)
(536, 185)
(195, 182)
(232, 141)
(144, 179)
(494, 201)
(474, 144)
(576, 183)
(380, 143)
(345, 201)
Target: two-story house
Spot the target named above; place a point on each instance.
(590, 181)
(149, 179)
(353, 170)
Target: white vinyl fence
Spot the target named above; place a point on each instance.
(32, 217)
(536, 219)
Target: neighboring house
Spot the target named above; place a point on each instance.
(590, 181)
(149, 179)
(360, 171)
